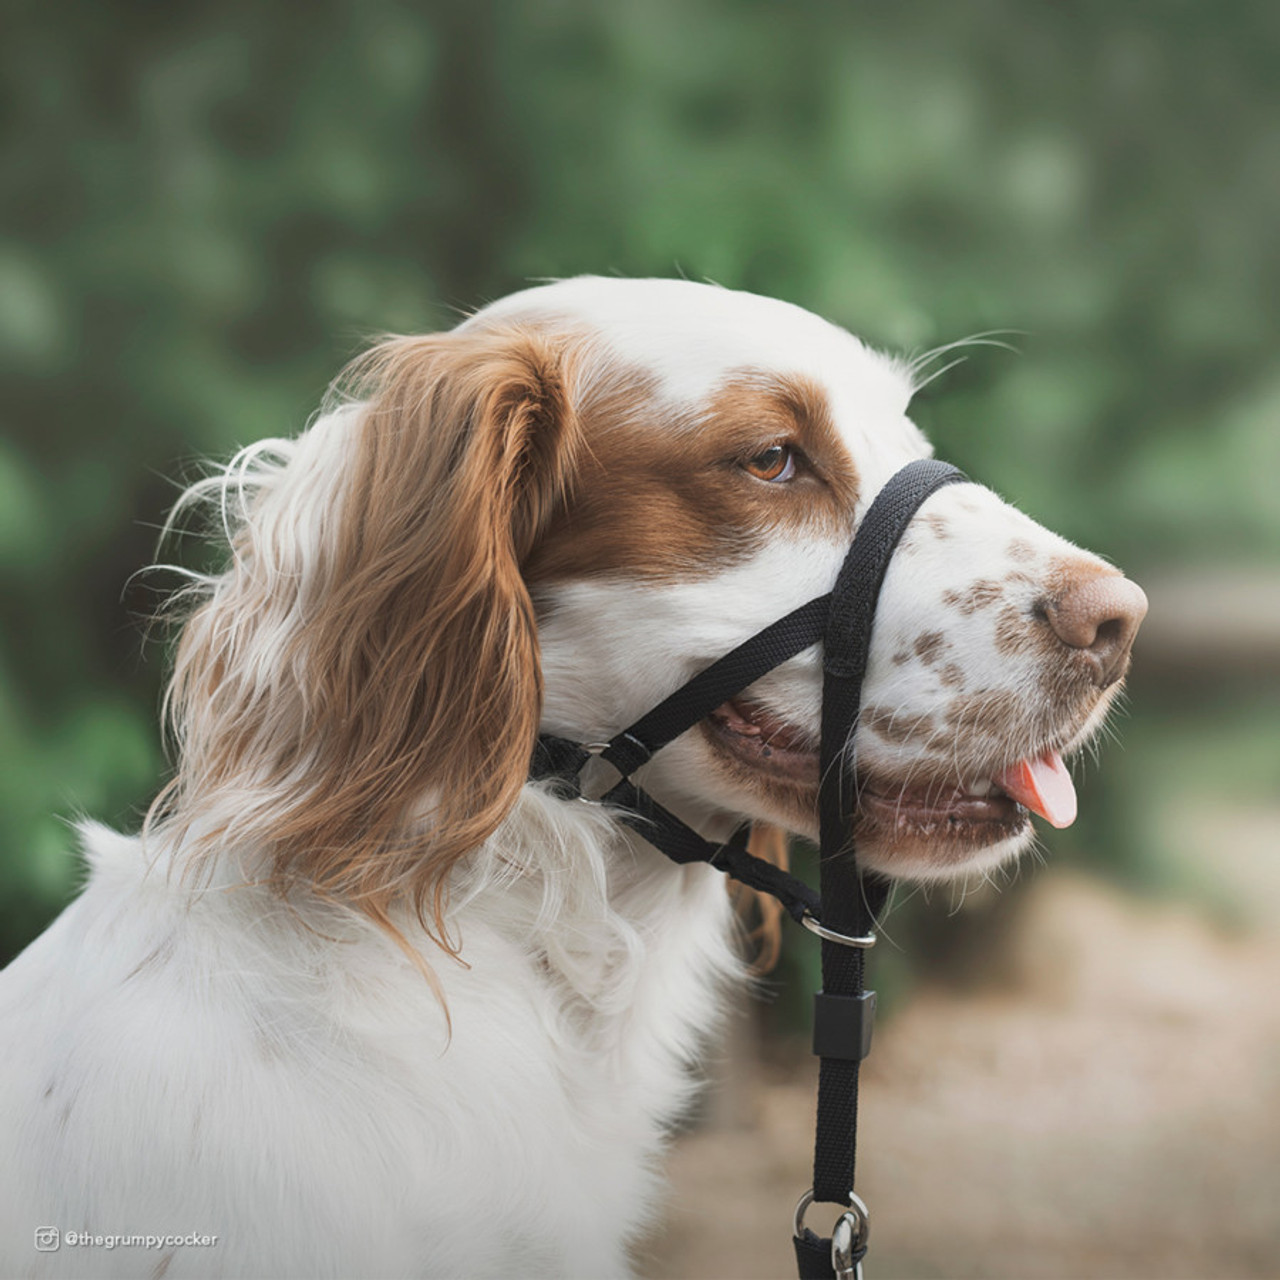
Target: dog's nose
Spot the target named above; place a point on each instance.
(1100, 615)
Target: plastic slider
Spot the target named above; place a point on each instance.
(842, 1025)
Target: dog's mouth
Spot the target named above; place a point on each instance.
(989, 808)
(762, 740)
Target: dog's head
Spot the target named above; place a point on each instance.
(557, 514)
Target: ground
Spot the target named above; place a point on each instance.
(1113, 1112)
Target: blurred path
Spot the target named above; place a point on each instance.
(1117, 1115)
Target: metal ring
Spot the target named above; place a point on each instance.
(814, 925)
(856, 1207)
(595, 748)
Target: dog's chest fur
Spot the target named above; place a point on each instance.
(314, 1094)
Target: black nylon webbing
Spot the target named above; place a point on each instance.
(682, 844)
(851, 902)
(720, 681)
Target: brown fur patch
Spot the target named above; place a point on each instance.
(666, 498)
(1016, 633)
(977, 595)
(952, 675)
(1020, 549)
(929, 646)
(769, 843)
(938, 525)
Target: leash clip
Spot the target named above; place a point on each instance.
(848, 1236)
(863, 942)
(843, 1235)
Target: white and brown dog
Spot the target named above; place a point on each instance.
(362, 1001)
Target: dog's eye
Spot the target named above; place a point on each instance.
(776, 464)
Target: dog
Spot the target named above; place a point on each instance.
(361, 1000)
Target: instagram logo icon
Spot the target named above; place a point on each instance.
(47, 1239)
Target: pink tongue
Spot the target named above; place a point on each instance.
(1044, 786)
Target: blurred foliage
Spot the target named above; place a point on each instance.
(204, 209)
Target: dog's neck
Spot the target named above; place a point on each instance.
(562, 888)
(596, 903)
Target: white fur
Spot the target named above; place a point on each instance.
(283, 1078)
(212, 1059)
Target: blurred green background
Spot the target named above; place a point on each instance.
(206, 208)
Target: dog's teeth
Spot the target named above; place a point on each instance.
(979, 788)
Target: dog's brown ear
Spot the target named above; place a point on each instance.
(385, 694)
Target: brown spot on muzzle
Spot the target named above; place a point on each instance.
(929, 645)
(661, 493)
(1016, 634)
(977, 595)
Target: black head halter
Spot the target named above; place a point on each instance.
(844, 915)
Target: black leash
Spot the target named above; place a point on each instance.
(844, 914)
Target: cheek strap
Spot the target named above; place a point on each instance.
(562, 759)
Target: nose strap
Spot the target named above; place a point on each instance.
(851, 902)
(846, 645)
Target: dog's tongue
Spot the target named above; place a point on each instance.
(1044, 786)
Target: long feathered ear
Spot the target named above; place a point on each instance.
(361, 692)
